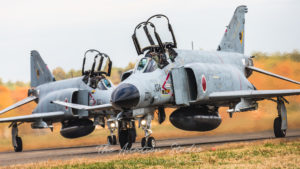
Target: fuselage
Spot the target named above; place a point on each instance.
(73, 90)
(204, 73)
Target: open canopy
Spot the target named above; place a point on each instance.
(100, 63)
(156, 44)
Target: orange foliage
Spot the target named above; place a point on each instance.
(285, 67)
(5, 96)
(261, 119)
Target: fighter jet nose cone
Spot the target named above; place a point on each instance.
(125, 96)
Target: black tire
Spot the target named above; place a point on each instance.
(19, 146)
(114, 139)
(277, 128)
(109, 140)
(133, 134)
(151, 143)
(143, 142)
(125, 139)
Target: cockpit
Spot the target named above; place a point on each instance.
(146, 65)
(104, 84)
(156, 49)
(96, 67)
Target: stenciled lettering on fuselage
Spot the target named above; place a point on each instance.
(166, 87)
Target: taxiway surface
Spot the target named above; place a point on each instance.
(31, 156)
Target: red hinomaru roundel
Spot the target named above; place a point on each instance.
(203, 82)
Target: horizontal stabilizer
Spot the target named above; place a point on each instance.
(252, 94)
(271, 74)
(33, 117)
(18, 104)
(84, 107)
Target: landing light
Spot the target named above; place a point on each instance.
(143, 122)
(112, 125)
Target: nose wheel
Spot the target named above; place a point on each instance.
(127, 134)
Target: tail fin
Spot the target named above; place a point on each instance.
(40, 73)
(233, 39)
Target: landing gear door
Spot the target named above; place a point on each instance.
(83, 99)
(180, 84)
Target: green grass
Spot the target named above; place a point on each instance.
(272, 154)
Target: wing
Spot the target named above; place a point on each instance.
(253, 94)
(271, 74)
(33, 117)
(84, 107)
(18, 104)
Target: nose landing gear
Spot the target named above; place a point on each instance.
(127, 133)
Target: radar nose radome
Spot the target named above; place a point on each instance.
(125, 96)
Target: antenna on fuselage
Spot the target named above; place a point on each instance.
(192, 45)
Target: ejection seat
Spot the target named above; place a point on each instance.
(157, 49)
(100, 68)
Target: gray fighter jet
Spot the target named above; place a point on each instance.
(91, 89)
(196, 83)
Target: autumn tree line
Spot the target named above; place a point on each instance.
(285, 64)
(60, 74)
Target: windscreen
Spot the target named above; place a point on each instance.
(146, 65)
(104, 84)
(151, 66)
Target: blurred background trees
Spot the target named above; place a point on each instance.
(286, 64)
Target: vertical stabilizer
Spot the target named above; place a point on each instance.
(40, 73)
(234, 37)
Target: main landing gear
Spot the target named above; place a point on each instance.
(16, 140)
(112, 140)
(147, 141)
(280, 122)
